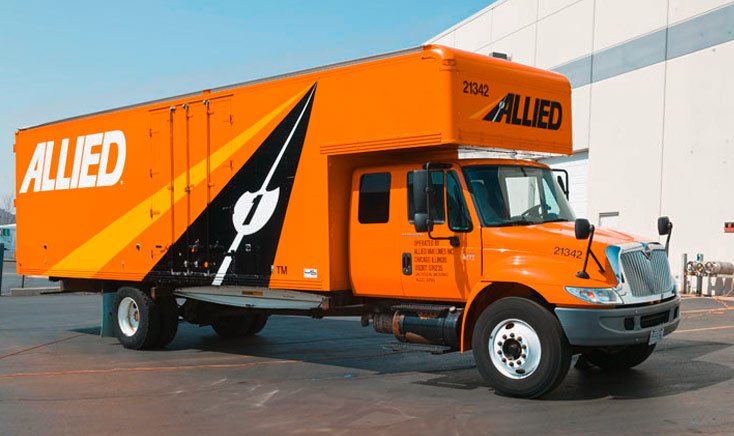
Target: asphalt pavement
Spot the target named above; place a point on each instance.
(307, 376)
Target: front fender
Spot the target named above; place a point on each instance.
(475, 292)
(536, 274)
(546, 275)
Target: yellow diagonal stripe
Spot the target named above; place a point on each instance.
(102, 247)
(481, 113)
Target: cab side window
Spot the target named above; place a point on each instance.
(374, 198)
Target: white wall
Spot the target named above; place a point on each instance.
(625, 154)
(660, 137)
(578, 175)
(698, 160)
(566, 34)
(683, 9)
(620, 20)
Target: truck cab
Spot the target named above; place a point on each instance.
(497, 240)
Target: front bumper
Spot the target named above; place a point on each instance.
(618, 326)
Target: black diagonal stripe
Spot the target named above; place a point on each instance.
(212, 233)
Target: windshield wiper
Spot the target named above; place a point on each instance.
(523, 223)
(557, 220)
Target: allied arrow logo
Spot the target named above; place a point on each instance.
(253, 210)
(524, 111)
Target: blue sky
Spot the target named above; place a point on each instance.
(65, 58)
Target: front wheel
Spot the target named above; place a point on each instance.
(520, 348)
(616, 359)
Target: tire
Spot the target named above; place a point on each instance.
(619, 359)
(137, 323)
(531, 341)
(169, 320)
(258, 323)
(230, 327)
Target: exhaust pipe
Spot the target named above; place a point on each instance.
(428, 327)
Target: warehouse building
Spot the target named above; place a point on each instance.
(653, 107)
(7, 239)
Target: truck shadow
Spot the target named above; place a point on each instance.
(677, 366)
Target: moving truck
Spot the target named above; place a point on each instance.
(343, 191)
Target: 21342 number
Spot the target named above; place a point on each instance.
(476, 88)
(567, 252)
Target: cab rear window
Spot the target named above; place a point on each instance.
(374, 198)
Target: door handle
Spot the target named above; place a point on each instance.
(407, 264)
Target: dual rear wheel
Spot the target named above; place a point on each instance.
(239, 326)
(143, 323)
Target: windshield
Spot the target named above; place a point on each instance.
(508, 195)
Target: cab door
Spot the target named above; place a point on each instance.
(376, 215)
(433, 269)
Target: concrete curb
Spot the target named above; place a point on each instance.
(30, 292)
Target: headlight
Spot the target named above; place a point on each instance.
(597, 295)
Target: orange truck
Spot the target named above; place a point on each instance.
(345, 190)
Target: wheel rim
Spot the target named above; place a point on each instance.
(128, 316)
(514, 348)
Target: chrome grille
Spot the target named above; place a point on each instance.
(647, 276)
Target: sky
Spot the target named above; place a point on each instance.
(65, 58)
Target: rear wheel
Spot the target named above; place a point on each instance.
(169, 319)
(616, 359)
(520, 348)
(138, 319)
(239, 326)
(258, 323)
(230, 327)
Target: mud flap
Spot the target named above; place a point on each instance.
(107, 328)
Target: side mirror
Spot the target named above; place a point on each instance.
(422, 223)
(664, 225)
(562, 180)
(583, 228)
(421, 183)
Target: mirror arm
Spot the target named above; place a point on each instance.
(601, 268)
(667, 240)
(453, 240)
(583, 274)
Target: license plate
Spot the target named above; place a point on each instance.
(656, 335)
